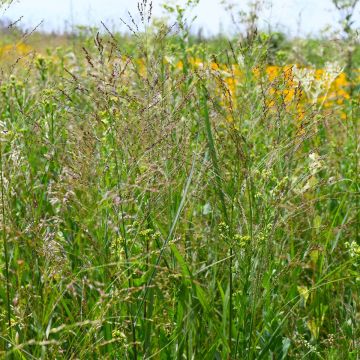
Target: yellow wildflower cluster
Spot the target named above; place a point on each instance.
(291, 88)
(10, 50)
(288, 86)
(319, 86)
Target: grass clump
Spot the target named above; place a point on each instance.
(164, 200)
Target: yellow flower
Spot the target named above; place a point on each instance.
(289, 95)
(272, 72)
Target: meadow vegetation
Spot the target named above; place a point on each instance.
(165, 196)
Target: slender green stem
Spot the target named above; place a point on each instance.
(166, 242)
(220, 193)
(124, 235)
(6, 246)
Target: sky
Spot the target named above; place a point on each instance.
(294, 17)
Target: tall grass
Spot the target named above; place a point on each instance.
(164, 200)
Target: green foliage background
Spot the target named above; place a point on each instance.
(158, 204)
